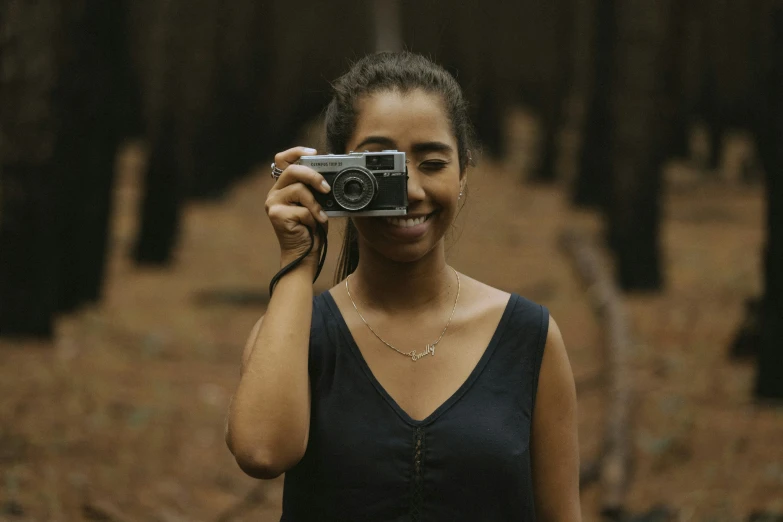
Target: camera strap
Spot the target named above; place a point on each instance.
(321, 257)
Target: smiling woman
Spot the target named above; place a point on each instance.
(344, 393)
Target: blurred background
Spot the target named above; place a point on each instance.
(631, 180)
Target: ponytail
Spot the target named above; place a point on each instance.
(348, 259)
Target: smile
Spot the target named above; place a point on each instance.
(407, 222)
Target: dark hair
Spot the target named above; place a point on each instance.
(390, 71)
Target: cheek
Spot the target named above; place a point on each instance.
(446, 192)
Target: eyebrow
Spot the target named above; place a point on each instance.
(427, 146)
(431, 146)
(377, 140)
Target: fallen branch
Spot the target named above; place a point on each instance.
(104, 511)
(615, 466)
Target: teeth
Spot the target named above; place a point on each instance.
(406, 222)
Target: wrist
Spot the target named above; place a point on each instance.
(307, 265)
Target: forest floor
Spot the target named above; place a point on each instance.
(121, 417)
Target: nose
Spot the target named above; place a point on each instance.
(415, 188)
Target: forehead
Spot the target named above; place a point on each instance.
(410, 117)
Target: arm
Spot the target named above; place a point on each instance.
(269, 416)
(268, 422)
(555, 445)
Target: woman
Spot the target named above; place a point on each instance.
(408, 391)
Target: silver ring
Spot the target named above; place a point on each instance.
(276, 171)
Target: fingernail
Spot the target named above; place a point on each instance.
(308, 150)
(325, 185)
(323, 215)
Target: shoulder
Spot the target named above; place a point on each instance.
(480, 299)
(483, 300)
(554, 338)
(556, 379)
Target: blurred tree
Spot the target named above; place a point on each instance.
(629, 120)
(30, 208)
(769, 382)
(686, 45)
(553, 39)
(65, 106)
(593, 179)
(200, 73)
(225, 138)
(100, 108)
(163, 192)
(730, 82)
(642, 116)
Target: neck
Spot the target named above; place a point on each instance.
(391, 286)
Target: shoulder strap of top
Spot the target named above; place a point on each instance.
(318, 324)
(527, 331)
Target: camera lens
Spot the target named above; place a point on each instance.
(354, 188)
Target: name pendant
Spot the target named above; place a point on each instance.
(429, 350)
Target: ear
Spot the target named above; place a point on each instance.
(463, 174)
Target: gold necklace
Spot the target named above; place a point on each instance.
(430, 348)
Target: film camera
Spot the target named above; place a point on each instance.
(363, 183)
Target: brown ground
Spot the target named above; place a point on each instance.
(121, 417)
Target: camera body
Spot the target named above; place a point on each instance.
(363, 183)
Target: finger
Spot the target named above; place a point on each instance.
(292, 220)
(291, 156)
(289, 217)
(305, 175)
(305, 217)
(298, 194)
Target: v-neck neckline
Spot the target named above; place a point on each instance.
(474, 374)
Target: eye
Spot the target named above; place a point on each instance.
(434, 165)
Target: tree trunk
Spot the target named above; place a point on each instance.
(98, 98)
(730, 84)
(684, 47)
(64, 122)
(236, 130)
(31, 207)
(161, 201)
(174, 64)
(551, 105)
(769, 380)
(63, 83)
(641, 114)
(591, 188)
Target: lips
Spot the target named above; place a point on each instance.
(407, 222)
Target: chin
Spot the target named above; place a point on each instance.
(405, 255)
(402, 252)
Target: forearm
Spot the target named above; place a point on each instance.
(269, 417)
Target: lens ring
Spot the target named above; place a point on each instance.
(354, 178)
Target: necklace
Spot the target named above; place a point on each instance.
(415, 356)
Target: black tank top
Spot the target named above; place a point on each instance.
(367, 460)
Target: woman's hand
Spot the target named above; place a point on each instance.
(292, 208)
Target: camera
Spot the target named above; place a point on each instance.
(363, 183)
